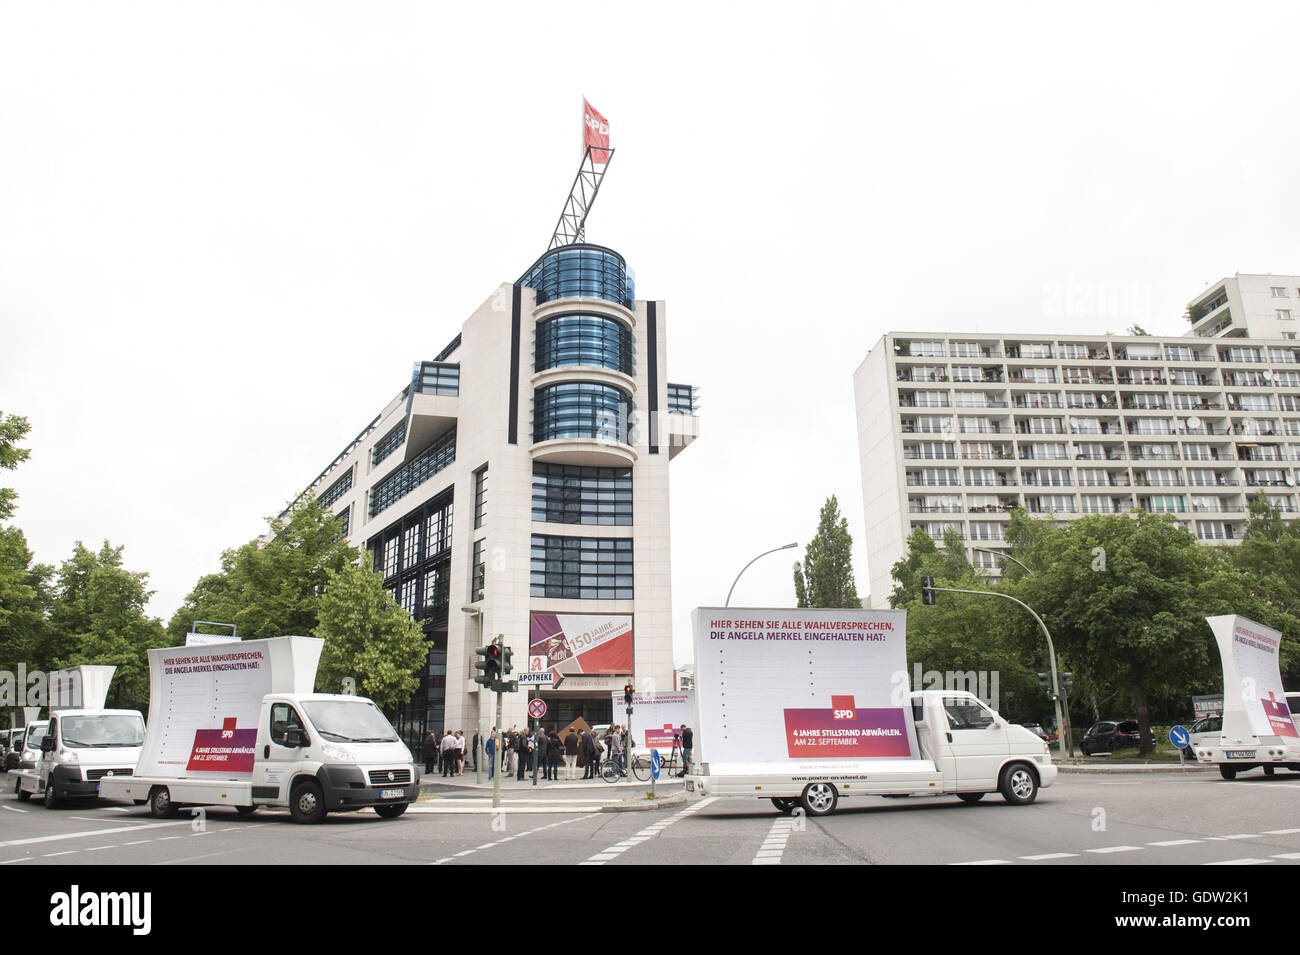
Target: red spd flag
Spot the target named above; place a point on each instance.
(595, 133)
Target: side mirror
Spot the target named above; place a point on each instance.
(47, 744)
(295, 736)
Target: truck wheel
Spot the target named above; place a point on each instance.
(1228, 772)
(23, 794)
(784, 804)
(246, 810)
(51, 796)
(392, 810)
(307, 804)
(819, 799)
(1019, 785)
(160, 803)
(1268, 770)
(970, 797)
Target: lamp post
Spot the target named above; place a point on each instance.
(999, 553)
(747, 566)
(478, 715)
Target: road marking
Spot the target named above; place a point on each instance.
(1280, 832)
(1115, 849)
(11, 861)
(15, 809)
(66, 852)
(773, 847)
(648, 832)
(1287, 855)
(1244, 835)
(502, 841)
(94, 832)
(984, 862)
(138, 842)
(1175, 842)
(1241, 862)
(97, 848)
(1050, 855)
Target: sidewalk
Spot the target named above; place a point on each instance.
(436, 782)
(1107, 765)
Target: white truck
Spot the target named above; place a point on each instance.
(82, 742)
(805, 706)
(238, 725)
(1259, 730)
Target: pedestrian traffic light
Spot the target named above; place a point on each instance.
(627, 694)
(1045, 680)
(488, 665)
(506, 666)
(1067, 679)
(927, 591)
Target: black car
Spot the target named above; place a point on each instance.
(1109, 736)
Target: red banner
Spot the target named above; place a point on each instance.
(595, 133)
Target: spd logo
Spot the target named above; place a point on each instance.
(842, 708)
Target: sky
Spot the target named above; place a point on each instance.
(227, 230)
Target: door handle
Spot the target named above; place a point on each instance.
(949, 735)
(266, 751)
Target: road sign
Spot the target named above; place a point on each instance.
(537, 709)
(655, 762)
(536, 679)
(1179, 736)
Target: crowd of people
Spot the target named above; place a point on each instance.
(522, 749)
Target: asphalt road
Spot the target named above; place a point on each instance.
(1082, 820)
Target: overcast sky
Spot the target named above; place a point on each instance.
(228, 229)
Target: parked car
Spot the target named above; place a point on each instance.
(1038, 731)
(1204, 732)
(14, 754)
(1109, 736)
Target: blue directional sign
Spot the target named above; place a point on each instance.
(655, 762)
(1179, 736)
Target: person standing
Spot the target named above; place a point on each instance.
(554, 749)
(460, 752)
(431, 744)
(616, 747)
(571, 755)
(449, 754)
(474, 748)
(539, 751)
(522, 742)
(588, 753)
(688, 744)
(490, 751)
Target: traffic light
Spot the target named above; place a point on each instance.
(506, 666)
(488, 665)
(1067, 679)
(627, 694)
(1045, 681)
(927, 591)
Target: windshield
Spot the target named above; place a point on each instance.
(102, 731)
(350, 721)
(35, 733)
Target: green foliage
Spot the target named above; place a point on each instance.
(98, 617)
(826, 578)
(272, 587)
(25, 596)
(13, 428)
(367, 637)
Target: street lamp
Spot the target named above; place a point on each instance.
(478, 717)
(747, 566)
(1000, 553)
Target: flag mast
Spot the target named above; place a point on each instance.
(571, 227)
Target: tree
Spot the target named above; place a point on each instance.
(25, 596)
(826, 578)
(98, 616)
(368, 637)
(13, 428)
(271, 587)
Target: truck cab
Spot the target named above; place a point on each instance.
(79, 748)
(323, 753)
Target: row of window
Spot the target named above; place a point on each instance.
(388, 443)
(1083, 351)
(581, 568)
(414, 472)
(582, 409)
(584, 340)
(586, 271)
(568, 494)
(337, 489)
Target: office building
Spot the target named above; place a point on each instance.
(957, 430)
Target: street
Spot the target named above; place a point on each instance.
(1106, 818)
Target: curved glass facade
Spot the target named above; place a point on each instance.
(588, 271)
(582, 409)
(583, 340)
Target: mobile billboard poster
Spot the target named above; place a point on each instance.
(657, 718)
(208, 699)
(802, 688)
(1254, 702)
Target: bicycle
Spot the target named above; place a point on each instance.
(667, 766)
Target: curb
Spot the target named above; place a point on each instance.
(1135, 768)
(645, 805)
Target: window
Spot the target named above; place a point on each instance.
(415, 472)
(388, 443)
(966, 714)
(480, 495)
(478, 572)
(436, 378)
(926, 349)
(282, 717)
(1284, 314)
(337, 489)
(345, 517)
(583, 568)
(414, 558)
(581, 339)
(582, 409)
(1278, 291)
(568, 494)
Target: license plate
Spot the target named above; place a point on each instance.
(690, 785)
(392, 793)
(1240, 754)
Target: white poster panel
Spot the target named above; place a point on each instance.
(82, 687)
(208, 639)
(656, 717)
(784, 690)
(1254, 702)
(204, 704)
